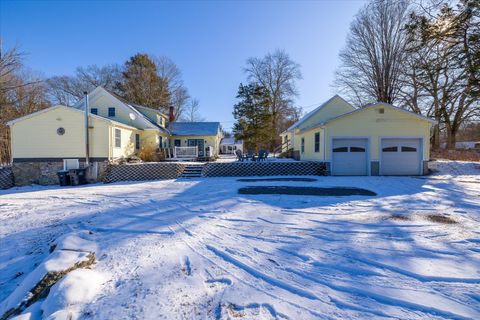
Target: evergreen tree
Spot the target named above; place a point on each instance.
(142, 85)
(253, 116)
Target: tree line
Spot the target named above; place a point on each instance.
(420, 55)
(143, 79)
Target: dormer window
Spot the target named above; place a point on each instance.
(94, 111)
(111, 112)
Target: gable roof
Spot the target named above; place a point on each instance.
(142, 118)
(230, 141)
(314, 111)
(194, 128)
(34, 114)
(416, 115)
(137, 106)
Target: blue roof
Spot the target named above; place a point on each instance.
(194, 128)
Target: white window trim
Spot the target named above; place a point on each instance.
(115, 138)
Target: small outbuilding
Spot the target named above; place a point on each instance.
(230, 145)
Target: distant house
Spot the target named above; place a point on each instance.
(465, 145)
(230, 145)
(378, 139)
(116, 129)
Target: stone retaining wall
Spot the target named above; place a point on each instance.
(6, 177)
(143, 171)
(45, 172)
(243, 169)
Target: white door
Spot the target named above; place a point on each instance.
(349, 157)
(400, 157)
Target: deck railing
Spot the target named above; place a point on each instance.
(185, 152)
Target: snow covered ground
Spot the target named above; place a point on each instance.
(196, 249)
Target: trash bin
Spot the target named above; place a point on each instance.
(77, 176)
(63, 178)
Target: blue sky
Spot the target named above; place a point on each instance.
(209, 41)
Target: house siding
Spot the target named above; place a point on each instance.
(37, 137)
(213, 141)
(370, 123)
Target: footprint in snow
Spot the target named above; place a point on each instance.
(186, 266)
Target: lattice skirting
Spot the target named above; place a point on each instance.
(143, 171)
(6, 178)
(241, 169)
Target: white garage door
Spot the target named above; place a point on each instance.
(349, 157)
(400, 157)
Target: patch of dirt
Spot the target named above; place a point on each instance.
(398, 217)
(306, 191)
(440, 219)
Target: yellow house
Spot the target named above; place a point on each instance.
(117, 129)
(378, 139)
(206, 136)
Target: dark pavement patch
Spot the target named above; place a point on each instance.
(306, 191)
(277, 179)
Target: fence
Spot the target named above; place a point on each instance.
(6, 178)
(143, 171)
(242, 169)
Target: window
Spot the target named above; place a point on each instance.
(118, 138)
(94, 111)
(160, 143)
(303, 145)
(137, 141)
(178, 142)
(409, 149)
(111, 112)
(317, 141)
(340, 149)
(357, 149)
(390, 149)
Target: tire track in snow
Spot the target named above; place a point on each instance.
(313, 312)
(257, 274)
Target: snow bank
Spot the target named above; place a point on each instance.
(67, 295)
(72, 251)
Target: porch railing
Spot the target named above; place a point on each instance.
(185, 152)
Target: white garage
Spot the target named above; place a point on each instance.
(349, 157)
(400, 156)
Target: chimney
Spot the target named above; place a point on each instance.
(171, 116)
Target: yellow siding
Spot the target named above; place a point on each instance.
(309, 137)
(103, 102)
(370, 123)
(213, 141)
(37, 137)
(127, 147)
(153, 116)
(150, 139)
(336, 107)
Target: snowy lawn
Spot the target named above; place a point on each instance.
(196, 249)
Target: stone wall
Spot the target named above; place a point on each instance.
(243, 169)
(143, 171)
(6, 177)
(45, 172)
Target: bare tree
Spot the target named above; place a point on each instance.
(67, 90)
(372, 61)
(445, 47)
(278, 73)
(191, 113)
(168, 70)
(21, 93)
